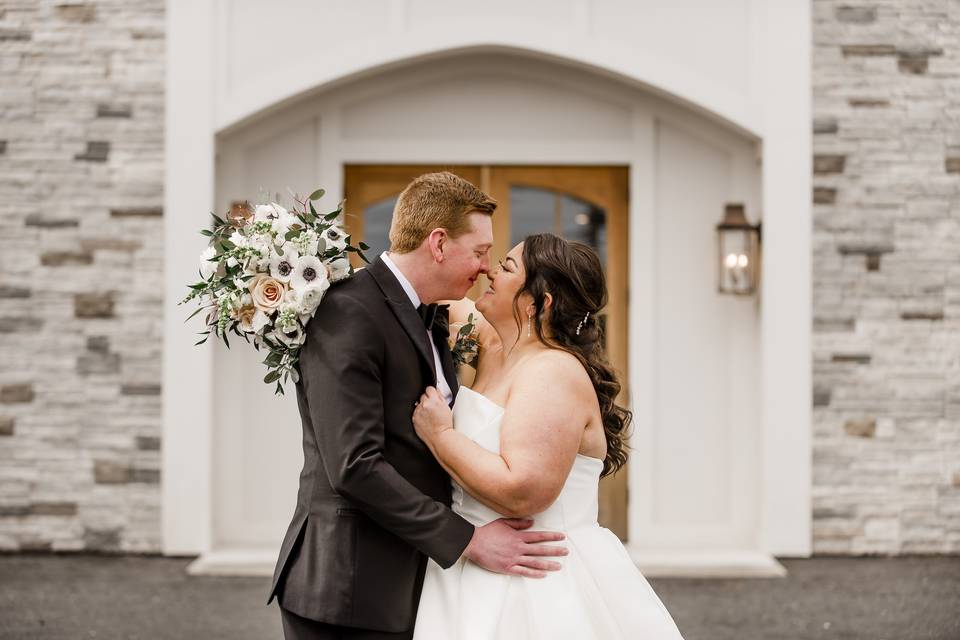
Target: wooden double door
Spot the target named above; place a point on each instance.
(587, 204)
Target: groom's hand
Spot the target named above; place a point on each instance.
(504, 546)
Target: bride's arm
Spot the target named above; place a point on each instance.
(539, 438)
(460, 311)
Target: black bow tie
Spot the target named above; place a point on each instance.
(427, 313)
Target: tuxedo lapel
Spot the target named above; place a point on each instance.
(402, 308)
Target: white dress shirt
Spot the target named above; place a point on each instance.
(441, 382)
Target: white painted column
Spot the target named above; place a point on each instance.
(786, 383)
(188, 199)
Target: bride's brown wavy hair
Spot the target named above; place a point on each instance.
(573, 276)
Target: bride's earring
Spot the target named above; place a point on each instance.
(529, 323)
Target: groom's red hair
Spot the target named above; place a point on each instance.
(435, 200)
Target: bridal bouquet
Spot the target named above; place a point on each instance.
(264, 273)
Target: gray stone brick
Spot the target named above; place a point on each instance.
(76, 12)
(21, 324)
(823, 126)
(16, 393)
(856, 15)
(824, 195)
(102, 539)
(146, 476)
(148, 443)
(53, 509)
(65, 258)
(110, 244)
(860, 50)
(861, 428)
(93, 305)
(10, 291)
(868, 102)
(828, 163)
(98, 363)
(106, 472)
(137, 212)
(44, 222)
(114, 111)
(14, 34)
(140, 390)
(97, 151)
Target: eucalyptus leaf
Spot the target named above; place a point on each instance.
(316, 195)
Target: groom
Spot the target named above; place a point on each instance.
(373, 503)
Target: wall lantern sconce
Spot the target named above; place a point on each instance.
(738, 244)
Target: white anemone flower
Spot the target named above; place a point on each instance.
(282, 267)
(335, 237)
(309, 273)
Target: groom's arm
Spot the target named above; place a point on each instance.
(341, 364)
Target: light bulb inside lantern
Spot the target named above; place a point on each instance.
(731, 260)
(742, 260)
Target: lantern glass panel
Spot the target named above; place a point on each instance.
(737, 260)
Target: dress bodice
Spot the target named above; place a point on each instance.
(479, 418)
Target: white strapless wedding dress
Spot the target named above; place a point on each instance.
(598, 594)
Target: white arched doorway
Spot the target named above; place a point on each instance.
(706, 430)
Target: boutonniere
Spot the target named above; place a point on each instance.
(464, 342)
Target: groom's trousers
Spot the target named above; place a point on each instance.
(299, 628)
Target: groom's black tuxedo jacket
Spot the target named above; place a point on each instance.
(373, 503)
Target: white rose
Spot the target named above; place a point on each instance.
(311, 297)
(238, 239)
(260, 320)
(293, 338)
(338, 269)
(284, 222)
(265, 212)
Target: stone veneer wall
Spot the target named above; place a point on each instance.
(886, 276)
(81, 165)
(81, 274)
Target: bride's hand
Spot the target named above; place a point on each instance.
(431, 416)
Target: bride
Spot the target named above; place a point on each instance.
(534, 435)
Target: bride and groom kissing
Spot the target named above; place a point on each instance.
(432, 511)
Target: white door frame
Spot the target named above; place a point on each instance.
(783, 127)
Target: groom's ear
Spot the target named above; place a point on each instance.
(437, 241)
(547, 300)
